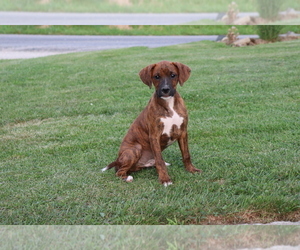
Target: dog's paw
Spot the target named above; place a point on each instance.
(129, 178)
(167, 164)
(165, 180)
(167, 183)
(192, 169)
(196, 170)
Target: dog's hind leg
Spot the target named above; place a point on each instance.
(127, 163)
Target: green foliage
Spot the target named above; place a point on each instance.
(269, 9)
(269, 32)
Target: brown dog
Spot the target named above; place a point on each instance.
(162, 122)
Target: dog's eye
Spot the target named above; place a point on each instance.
(173, 75)
(157, 77)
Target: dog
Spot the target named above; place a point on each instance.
(161, 123)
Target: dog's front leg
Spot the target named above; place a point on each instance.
(186, 158)
(160, 164)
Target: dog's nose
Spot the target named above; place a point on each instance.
(165, 90)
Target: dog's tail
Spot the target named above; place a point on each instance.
(111, 165)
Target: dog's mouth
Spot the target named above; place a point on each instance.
(166, 92)
(165, 96)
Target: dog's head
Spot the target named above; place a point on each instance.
(165, 77)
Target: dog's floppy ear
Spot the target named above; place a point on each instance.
(146, 75)
(183, 71)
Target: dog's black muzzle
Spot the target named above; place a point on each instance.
(165, 89)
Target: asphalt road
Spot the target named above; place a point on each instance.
(40, 18)
(29, 46)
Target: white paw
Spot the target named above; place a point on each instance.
(104, 169)
(168, 164)
(129, 178)
(167, 183)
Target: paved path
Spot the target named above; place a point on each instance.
(39, 18)
(29, 46)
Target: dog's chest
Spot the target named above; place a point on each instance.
(169, 122)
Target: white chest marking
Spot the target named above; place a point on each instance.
(170, 121)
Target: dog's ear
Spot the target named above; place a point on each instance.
(146, 75)
(183, 71)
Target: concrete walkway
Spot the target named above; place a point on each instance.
(31, 46)
(47, 18)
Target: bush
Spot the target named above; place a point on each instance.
(269, 32)
(269, 9)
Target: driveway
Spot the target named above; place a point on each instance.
(30, 46)
(47, 18)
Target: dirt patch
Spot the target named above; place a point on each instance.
(44, 26)
(121, 27)
(258, 41)
(121, 2)
(255, 238)
(232, 39)
(254, 20)
(251, 217)
(44, 2)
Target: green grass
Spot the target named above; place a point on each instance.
(157, 30)
(154, 6)
(127, 30)
(148, 237)
(63, 118)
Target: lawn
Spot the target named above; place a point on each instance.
(131, 30)
(63, 118)
(136, 30)
(149, 237)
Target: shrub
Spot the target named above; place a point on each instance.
(269, 32)
(269, 9)
(232, 35)
(232, 13)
